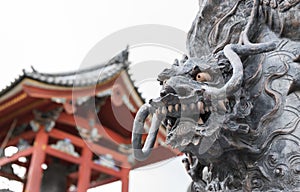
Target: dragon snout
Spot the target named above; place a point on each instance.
(166, 90)
(181, 86)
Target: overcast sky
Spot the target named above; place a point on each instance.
(56, 36)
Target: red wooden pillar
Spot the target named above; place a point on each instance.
(84, 170)
(38, 157)
(125, 179)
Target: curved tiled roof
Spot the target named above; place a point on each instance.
(82, 77)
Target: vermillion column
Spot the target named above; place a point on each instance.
(38, 157)
(125, 179)
(84, 170)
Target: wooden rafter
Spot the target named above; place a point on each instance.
(15, 157)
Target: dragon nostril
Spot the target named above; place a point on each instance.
(196, 68)
(195, 71)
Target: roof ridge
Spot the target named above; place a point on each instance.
(119, 59)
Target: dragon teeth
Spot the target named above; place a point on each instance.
(200, 121)
(192, 106)
(164, 110)
(200, 107)
(158, 111)
(183, 106)
(170, 108)
(196, 140)
(177, 107)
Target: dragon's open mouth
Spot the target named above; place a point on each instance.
(187, 119)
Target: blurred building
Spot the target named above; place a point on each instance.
(72, 131)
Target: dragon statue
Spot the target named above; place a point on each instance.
(233, 104)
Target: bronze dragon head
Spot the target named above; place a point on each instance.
(232, 106)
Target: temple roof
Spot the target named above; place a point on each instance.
(101, 96)
(80, 78)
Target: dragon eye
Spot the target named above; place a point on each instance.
(280, 171)
(201, 77)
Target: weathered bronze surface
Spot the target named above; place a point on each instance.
(233, 104)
